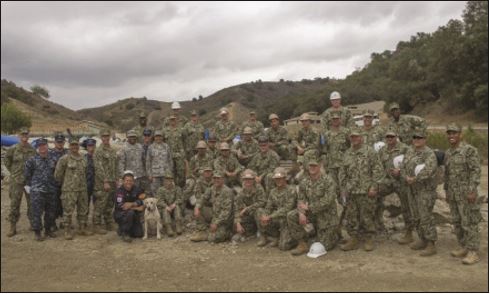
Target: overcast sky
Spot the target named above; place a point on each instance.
(91, 54)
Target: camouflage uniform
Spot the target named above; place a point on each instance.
(216, 207)
(201, 186)
(406, 125)
(166, 197)
(246, 149)
(256, 126)
(90, 176)
(322, 211)
(229, 164)
(361, 170)
(345, 117)
(213, 153)
(106, 170)
(263, 164)
(192, 133)
(130, 158)
(158, 161)
(39, 176)
(175, 140)
(71, 172)
(462, 176)
(181, 121)
(422, 194)
(279, 203)
(372, 135)
(309, 140)
(57, 154)
(252, 199)
(279, 141)
(336, 143)
(15, 160)
(198, 162)
(225, 131)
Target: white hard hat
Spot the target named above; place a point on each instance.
(397, 161)
(128, 172)
(335, 95)
(316, 250)
(419, 168)
(176, 105)
(378, 145)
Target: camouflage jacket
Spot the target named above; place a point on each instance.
(168, 196)
(253, 199)
(462, 169)
(277, 137)
(192, 133)
(308, 139)
(131, 158)
(229, 164)
(201, 186)
(386, 156)
(257, 128)
(336, 143)
(426, 179)
(361, 170)
(225, 131)
(221, 201)
(39, 173)
(372, 135)
(71, 172)
(175, 140)
(181, 121)
(264, 164)
(281, 201)
(406, 125)
(15, 160)
(214, 153)
(248, 149)
(198, 162)
(320, 195)
(139, 131)
(106, 166)
(346, 119)
(159, 160)
(56, 155)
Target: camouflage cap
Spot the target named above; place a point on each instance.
(394, 105)
(201, 145)
(74, 140)
(193, 113)
(224, 146)
(273, 116)
(305, 116)
(218, 174)
(334, 114)
(453, 127)
(419, 133)
(105, 132)
(142, 115)
(24, 131)
(248, 174)
(368, 112)
(313, 162)
(168, 175)
(247, 130)
(390, 132)
(252, 113)
(158, 133)
(206, 168)
(59, 137)
(131, 133)
(263, 139)
(279, 172)
(355, 132)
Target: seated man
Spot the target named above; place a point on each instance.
(169, 203)
(129, 208)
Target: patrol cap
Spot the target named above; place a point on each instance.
(313, 162)
(175, 105)
(224, 146)
(335, 114)
(105, 132)
(131, 133)
(453, 127)
(304, 116)
(248, 174)
(201, 145)
(218, 174)
(142, 115)
(263, 139)
(273, 116)
(90, 142)
(390, 133)
(368, 112)
(355, 132)
(158, 133)
(172, 117)
(128, 173)
(394, 105)
(42, 141)
(252, 112)
(168, 175)
(206, 167)
(335, 95)
(59, 137)
(419, 133)
(147, 132)
(212, 137)
(247, 130)
(74, 140)
(279, 172)
(193, 113)
(24, 131)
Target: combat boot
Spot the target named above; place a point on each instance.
(38, 236)
(12, 230)
(68, 233)
(169, 230)
(84, 231)
(369, 244)
(418, 245)
(301, 249)
(461, 252)
(199, 236)
(407, 238)
(178, 227)
(126, 238)
(109, 226)
(351, 244)
(429, 250)
(262, 241)
(471, 258)
(274, 242)
(98, 229)
(49, 234)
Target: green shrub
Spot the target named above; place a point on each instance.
(13, 119)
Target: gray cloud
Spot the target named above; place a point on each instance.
(90, 54)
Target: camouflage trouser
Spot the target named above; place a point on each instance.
(103, 206)
(156, 184)
(283, 151)
(402, 192)
(222, 234)
(359, 213)
(465, 217)
(421, 203)
(42, 202)
(179, 170)
(15, 194)
(277, 228)
(167, 216)
(327, 235)
(69, 201)
(249, 223)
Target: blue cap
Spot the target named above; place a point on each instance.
(90, 142)
(147, 132)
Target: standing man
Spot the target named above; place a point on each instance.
(278, 137)
(212, 147)
(246, 148)
(71, 172)
(307, 143)
(256, 126)
(175, 140)
(39, 176)
(462, 177)
(345, 114)
(228, 165)
(131, 158)
(371, 133)
(15, 160)
(158, 161)
(264, 163)
(106, 177)
(225, 129)
(405, 125)
(192, 132)
(169, 197)
(176, 111)
(359, 177)
(147, 140)
(129, 208)
(139, 130)
(57, 152)
(89, 157)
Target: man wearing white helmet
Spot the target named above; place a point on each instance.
(345, 114)
(176, 110)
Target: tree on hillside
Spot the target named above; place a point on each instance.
(13, 119)
(40, 91)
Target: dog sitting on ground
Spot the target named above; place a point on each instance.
(152, 217)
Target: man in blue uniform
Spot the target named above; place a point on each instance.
(90, 146)
(129, 208)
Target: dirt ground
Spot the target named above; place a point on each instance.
(105, 263)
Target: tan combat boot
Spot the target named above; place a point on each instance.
(12, 230)
(168, 229)
(429, 250)
(199, 236)
(98, 229)
(178, 227)
(418, 245)
(369, 244)
(471, 258)
(84, 231)
(407, 238)
(274, 242)
(301, 249)
(68, 233)
(262, 241)
(351, 244)
(461, 252)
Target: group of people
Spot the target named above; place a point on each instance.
(238, 189)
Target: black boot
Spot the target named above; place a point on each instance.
(38, 236)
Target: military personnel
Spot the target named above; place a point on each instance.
(307, 142)
(158, 161)
(418, 171)
(273, 217)
(336, 143)
(15, 160)
(169, 203)
(71, 172)
(204, 182)
(246, 148)
(214, 212)
(359, 176)
(256, 126)
(129, 208)
(346, 119)
(248, 201)
(147, 140)
(39, 177)
(176, 111)
(264, 163)
(316, 212)
(404, 125)
(131, 158)
(175, 140)
(198, 161)
(139, 130)
(213, 149)
(192, 132)
(224, 129)
(106, 178)
(228, 165)
(278, 137)
(89, 157)
(57, 152)
(371, 133)
(462, 177)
